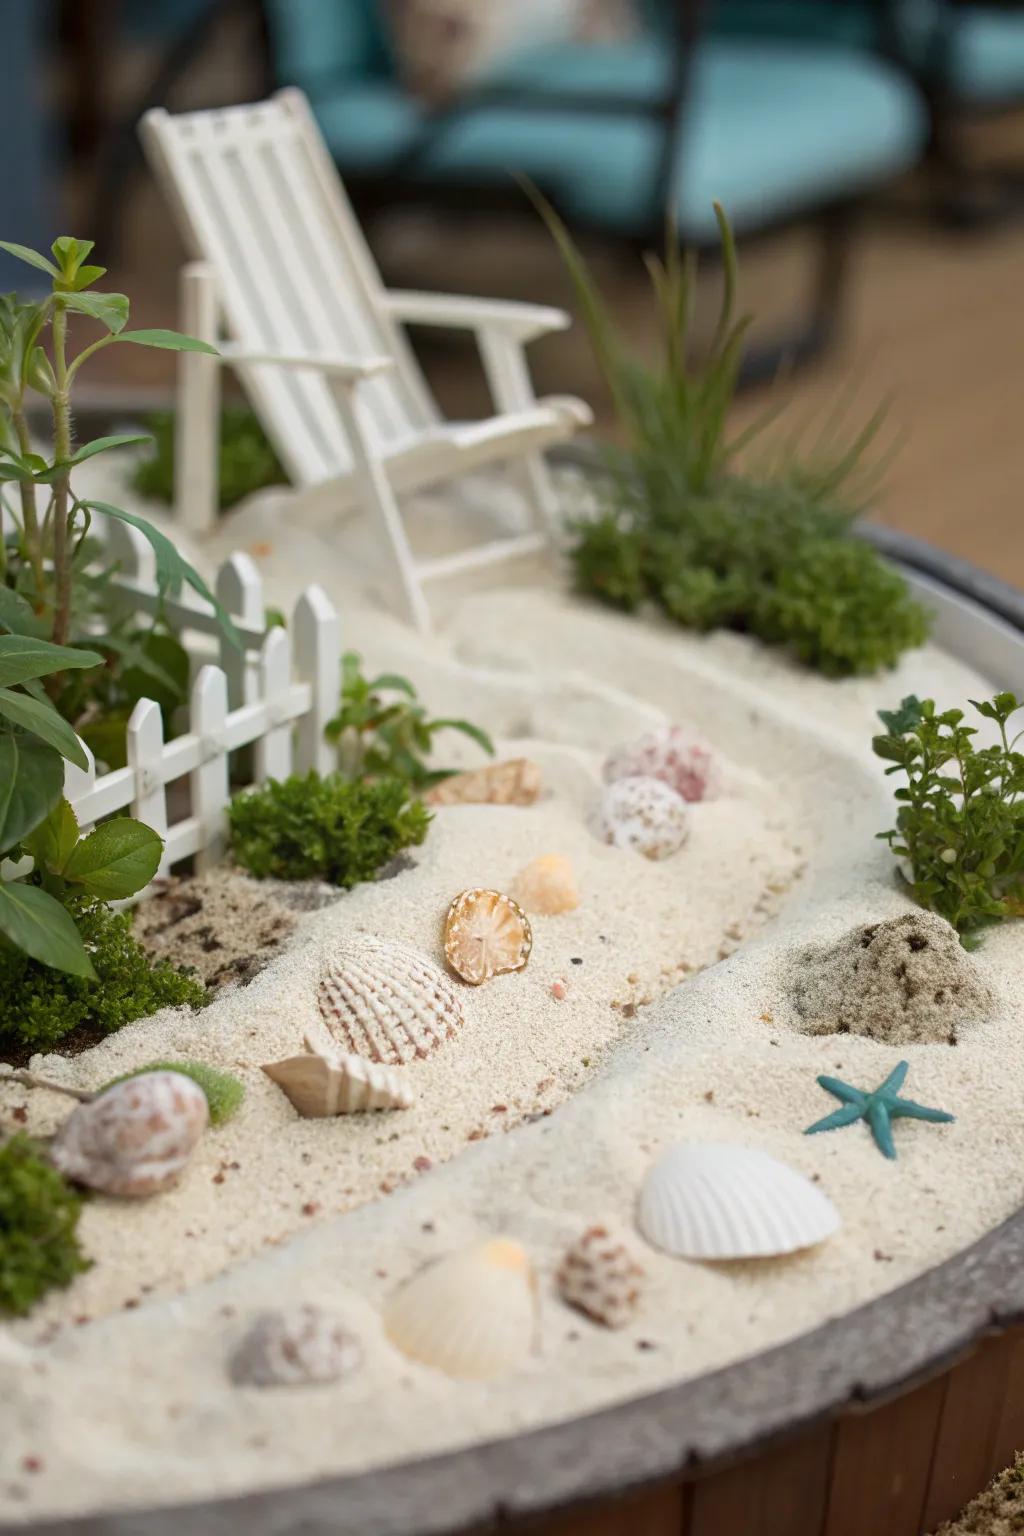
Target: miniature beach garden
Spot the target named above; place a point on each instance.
(486, 1027)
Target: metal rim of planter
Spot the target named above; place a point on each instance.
(872, 1354)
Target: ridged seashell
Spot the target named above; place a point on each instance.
(601, 1277)
(136, 1137)
(324, 1083)
(547, 885)
(644, 815)
(516, 782)
(730, 1202)
(302, 1347)
(471, 1314)
(486, 934)
(672, 754)
(387, 1003)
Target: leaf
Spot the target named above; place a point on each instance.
(394, 683)
(110, 309)
(42, 720)
(18, 616)
(107, 739)
(898, 721)
(86, 276)
(31, 783)
(468, 729)
(33, 258)
(36, 923)
(51, 472)
(69, 253)
(170, 341)
(171, 569)
(23, 656)
(52, 842)
(116, 859)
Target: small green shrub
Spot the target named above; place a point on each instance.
(324, 828)
(247, 462)
(224, 1093)
(39, 1214)
(960, 821)
(40, 1005)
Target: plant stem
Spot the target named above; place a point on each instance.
(31, 1080)
(29, 517)
(62, 486)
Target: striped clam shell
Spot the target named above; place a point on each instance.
(709, 1201)
(387, 1003)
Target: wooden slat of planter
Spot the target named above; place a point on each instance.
(1009, 1435)
(780, 1493)
(971, 1412)
(882, 1466)
(660, 1513)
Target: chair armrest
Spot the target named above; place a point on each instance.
(349, 368)
(522, 321)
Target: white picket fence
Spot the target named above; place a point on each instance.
(276, 695)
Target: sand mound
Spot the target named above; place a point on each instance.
(906, 981)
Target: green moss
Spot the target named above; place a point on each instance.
(324, 828)
(39, 1006)
(247, 462)
(39, 1214)
(224, 1093)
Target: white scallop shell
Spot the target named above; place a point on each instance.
(324, 1083)
(645, 815)
(387, 1003)
(301, 1347)
(471, 1314)
(671, 753)
(135, 1137)
(708, 1201)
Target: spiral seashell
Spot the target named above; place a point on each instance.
(672, 754)
(644, 815)
(600, 1277)
(324, 1083)
(471, 1314)
(135, 1137)
(486, 934)
(387, 1003)
(730, 1202)
(301, 1347)
(547, 886)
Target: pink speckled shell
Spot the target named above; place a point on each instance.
(672, 754)
(136, 1137)
(644, 815)
(600, 1276)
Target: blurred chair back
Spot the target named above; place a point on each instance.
(258, 197)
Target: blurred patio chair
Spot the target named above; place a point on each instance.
(318, 342)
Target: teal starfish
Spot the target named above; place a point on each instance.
(879, 1109)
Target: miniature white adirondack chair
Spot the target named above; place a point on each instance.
(317, 342)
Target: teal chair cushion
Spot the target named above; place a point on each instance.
(985, 60)
(770, 129)
(313, 41)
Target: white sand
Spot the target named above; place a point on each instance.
(136, 1407)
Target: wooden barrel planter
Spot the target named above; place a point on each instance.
(883, 1422)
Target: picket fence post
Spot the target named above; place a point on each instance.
(209, 782)
(144, 748)
(239, 588)
(317, 633)
(273, 754)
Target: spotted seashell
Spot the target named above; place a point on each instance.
(301, 1347)
(486, 934)
(386, 1002)
(471, 1314)
(325, 1083)
(672, 754)
(710, 1201)
(547, 886)
(645, 816)
(600, 1276)
(136, 1137)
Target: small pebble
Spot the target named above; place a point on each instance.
(559, 990)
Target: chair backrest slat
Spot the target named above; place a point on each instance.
(257, 196)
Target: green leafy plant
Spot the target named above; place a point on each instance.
(39, 1214)
(389, 737)
(247, 461)
(40, 1006)
(686, 527)
(224, 1093)
(960, 823)
(324, 828)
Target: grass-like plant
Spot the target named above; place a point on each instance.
(687, 527)
(329, 828)
(383, 731)
(39, 1214)
(960, 823)
(246, 459)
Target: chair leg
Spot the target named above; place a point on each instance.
(540, 492)
(508, 377)
(197, 435)
(378, 496)
(814, 335)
